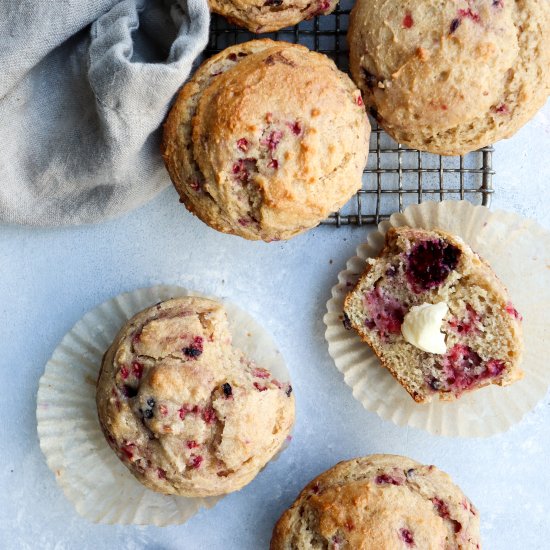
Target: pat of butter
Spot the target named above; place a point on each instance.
(422, 327)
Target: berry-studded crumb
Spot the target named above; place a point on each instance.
(195, 185)
(260, 373)
(461, 365)
(495, 367)
(242, 145)
(429, 264)
(195, 349)
(242, 167)
(408, 21)
(209, 415)
(406, 536)
(161, 473)
(259, 387)
(386, 313)
(137, 369)
(195, 461)
(385, 479)
(227, 389)
(128, 450)
(272, 140)
(295, 127)
(455, 23)
(469, 324)
(129, 391)
(469, 14)
(187, 409)
(192, 444)
(441, 507)
(502, 109)
(463, 368)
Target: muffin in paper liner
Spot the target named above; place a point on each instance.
(89, 472)
(518, 250)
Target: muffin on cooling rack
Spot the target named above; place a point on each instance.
(261, 16)
(186, 412)
(379, 502)
(266, 140)
(451, 77)
(436, 315)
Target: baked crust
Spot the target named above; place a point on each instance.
(266, 140)
(379, 501)
(451, 77)
(186, 412)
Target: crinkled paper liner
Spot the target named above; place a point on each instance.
(519, 252)
(90, 474)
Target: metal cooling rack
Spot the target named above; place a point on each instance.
(395, 176)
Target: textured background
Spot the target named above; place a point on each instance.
(50, 277)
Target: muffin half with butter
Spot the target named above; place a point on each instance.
(436, 315)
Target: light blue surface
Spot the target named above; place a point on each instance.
(51, 277)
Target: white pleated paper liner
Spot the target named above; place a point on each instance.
(519, 252)
(90, 474)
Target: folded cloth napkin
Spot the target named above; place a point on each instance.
(84, 88)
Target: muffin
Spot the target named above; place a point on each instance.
(270, 15)
(266, 140)
(379, 502)
(451, 77)
(436, 315)
(186, 412)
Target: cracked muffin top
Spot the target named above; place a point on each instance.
(451, 77)
(379, 501)
(186, 412)
(266, 140)
(261, 16)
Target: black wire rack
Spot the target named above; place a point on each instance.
(395, 176)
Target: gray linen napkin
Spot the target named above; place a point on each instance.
(84, 88)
